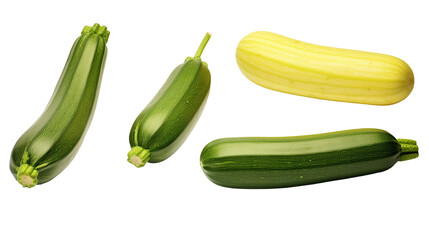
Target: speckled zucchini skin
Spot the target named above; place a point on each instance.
(50, 144)
(274, 162)
(162, 127)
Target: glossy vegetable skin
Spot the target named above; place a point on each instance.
(291, 66)
(165, 123)
(274, 162)
(50, 144)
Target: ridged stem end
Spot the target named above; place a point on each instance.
(97, 29)
(27, 176)
(409, 149)
(138, 156)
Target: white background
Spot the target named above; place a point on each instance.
(101, 196)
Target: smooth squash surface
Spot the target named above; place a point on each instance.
(291, 66)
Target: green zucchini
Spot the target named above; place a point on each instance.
(162, 127)
(50, 144)
(274, 162)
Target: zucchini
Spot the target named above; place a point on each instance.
(50, 144)
(274, 162)
(287, 65)
(165, 123)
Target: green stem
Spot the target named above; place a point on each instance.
(406, 141)
(27, 175)
(202, 46)
(138, 156)
(97, 29)
(409, 149)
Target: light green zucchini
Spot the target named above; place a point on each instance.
(165, 123)
(50, 144)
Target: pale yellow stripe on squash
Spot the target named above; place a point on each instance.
(343, 91)
(351, 63)
(291, 66)
(292, 45)
(323, 94)
(322, 91)
(383, 80)
(332, 64)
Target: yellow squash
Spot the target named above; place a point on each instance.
(291, 66)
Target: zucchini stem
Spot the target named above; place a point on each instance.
(202, 46)
(409, 149)
(27, 175)
(138, 156)
(96, 29)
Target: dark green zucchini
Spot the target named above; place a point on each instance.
(50, 144)
(163, 126)
(274, 162)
